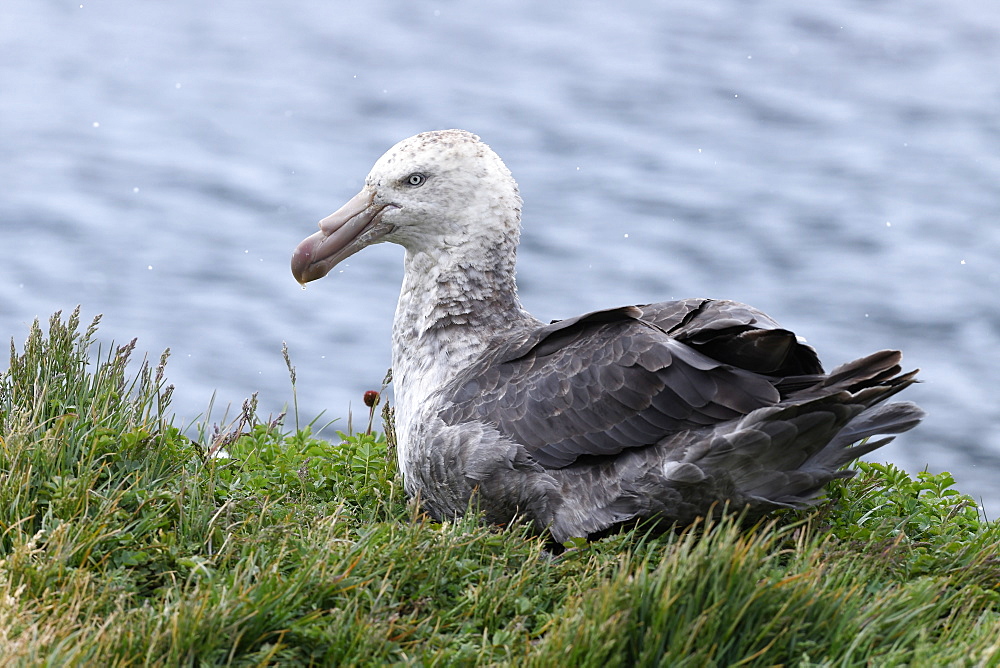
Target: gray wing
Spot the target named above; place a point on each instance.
(611, 380)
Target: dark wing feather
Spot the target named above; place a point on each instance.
(604, 382)
(736, 334)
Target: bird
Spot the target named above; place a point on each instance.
(659, 413)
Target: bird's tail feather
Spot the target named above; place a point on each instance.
(784, 456)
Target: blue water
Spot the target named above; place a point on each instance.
(836, 164)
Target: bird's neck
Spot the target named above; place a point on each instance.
(450, 307)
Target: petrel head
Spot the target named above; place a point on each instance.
(436, 190)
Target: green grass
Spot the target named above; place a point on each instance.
(125, 542)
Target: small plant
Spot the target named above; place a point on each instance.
(371, 400)
(918, 526)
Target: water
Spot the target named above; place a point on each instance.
(836, 164)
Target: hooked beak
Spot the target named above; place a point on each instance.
(341, 234)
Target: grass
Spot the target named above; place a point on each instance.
(124, 542)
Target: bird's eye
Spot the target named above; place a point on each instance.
(415, 179)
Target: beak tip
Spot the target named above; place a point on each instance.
(301, 262)
(337, 239)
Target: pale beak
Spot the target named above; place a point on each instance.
(341, 234)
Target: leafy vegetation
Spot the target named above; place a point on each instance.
(125, 542)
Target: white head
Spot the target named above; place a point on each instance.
(442, 190)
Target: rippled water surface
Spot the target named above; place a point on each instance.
(836, 164)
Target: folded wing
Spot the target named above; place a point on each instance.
(607, 381)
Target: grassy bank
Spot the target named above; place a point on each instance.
(124, 542)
